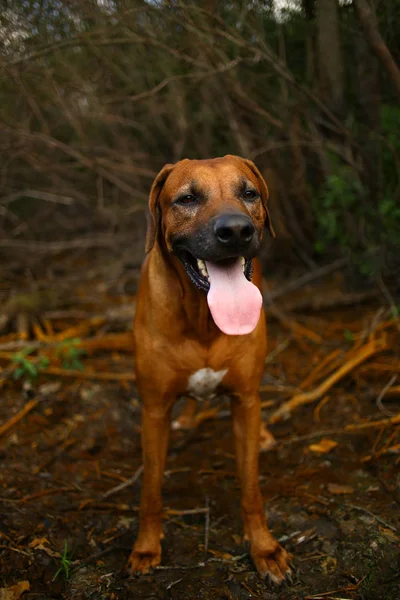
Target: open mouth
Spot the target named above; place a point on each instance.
(197, 268)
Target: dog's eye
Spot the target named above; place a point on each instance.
(187, 199)
(250, 195)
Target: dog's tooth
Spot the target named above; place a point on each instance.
(202, 268)
(243, 262)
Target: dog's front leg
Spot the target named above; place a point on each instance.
(269, 557)
(146, 552)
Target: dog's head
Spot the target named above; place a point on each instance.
(209, 210)
(211, 214)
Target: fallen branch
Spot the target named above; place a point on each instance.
(395, 420)
(295, 284)
(297, 329)
(88, 374)
(312, 302)
(117, 342)
(352, 428)
(54, 247)
(20, 415)
(329, 361)
(127, 483)
(371, 514)
(308, 397)
(49, 492)
(80, 330)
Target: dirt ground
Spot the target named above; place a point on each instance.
(331, 484)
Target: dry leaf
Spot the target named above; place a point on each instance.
(237, 539)
(335, 488)
(216, 553)
(324, 446)
(389, 534)
(39, 544)
(15, 591)
(329, 564)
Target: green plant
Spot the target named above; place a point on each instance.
(348, 335)
(65, 563)
(28, 369)
(340, 197)
(70, 354)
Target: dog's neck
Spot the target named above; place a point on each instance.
(192, 301)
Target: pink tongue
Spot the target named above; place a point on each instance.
(234, 302)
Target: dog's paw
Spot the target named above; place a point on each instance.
(140, 562)
(272, 564)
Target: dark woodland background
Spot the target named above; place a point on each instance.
(95, 96)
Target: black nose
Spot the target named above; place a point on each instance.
(232, 229)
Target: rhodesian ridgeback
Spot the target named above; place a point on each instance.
(200, 330)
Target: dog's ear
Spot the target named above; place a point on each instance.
(153, 213)
(264, 193)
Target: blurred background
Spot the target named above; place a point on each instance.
(96, 95)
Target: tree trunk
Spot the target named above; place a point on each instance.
(368, 20)
(369, 100)
(330, 56)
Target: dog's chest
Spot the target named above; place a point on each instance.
(203, 383)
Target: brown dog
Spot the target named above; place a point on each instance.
(200, 329)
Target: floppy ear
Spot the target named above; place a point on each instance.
(153, 213)
(264, 193)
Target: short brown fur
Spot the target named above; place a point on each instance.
(175, 336)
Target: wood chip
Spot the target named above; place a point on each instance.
(323, 447)
(337, 489)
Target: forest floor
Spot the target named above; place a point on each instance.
(70, 450)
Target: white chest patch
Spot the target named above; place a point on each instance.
(204, 382)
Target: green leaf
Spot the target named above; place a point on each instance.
(348, 335)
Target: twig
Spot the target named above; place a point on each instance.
(170, 585)
(49, 492)
(206, 527)
(371, 514)
(76, 374)
(296, 328)
(349, 429)
(5, 547)
(335, 300)
(329, 360)
(121, 486)
(20, 415)
(309, 397)
(200, 565)
(295, 284)
(189, 511)
(277, 350)
(179, 568)
(38, 195)
(78, 564)
(392, 304)
(395, 420)
(52, 247)
(382, 395)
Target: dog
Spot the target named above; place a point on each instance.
(200, 330)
